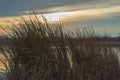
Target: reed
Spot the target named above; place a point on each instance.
(45, 51)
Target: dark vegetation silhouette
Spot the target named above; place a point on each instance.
(45, 51)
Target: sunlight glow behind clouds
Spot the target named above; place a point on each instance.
(72, 16)
(75, 15)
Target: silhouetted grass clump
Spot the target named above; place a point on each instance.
(45, 51)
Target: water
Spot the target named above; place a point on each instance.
(117, 50)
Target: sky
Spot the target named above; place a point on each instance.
(101, 15)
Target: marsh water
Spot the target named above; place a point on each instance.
(117, 50)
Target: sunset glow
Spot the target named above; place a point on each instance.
(55, 16)
(71, 16)
(75, 15)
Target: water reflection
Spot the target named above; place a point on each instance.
(117, 50)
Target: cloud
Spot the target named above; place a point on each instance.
(15, 7)
(74, 13)
(92, 13)
(78, 14)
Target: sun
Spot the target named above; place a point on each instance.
(54, 17)
(59, 16)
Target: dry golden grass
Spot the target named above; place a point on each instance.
(43, 51)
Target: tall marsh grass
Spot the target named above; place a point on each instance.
(45, 51)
